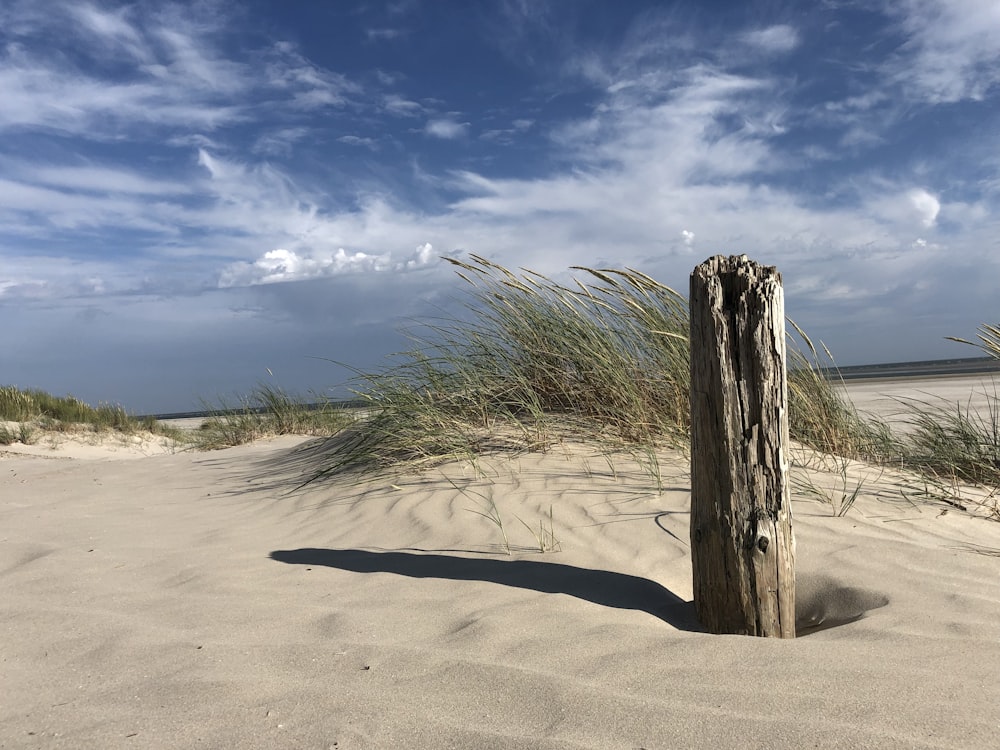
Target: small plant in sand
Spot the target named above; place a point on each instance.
(951, 493)
(545, 538)
(485, 506)
(837, 488)
(26, 433)
(951, 445)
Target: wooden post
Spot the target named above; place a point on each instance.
(742, 546)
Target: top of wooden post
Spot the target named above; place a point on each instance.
(725, 264)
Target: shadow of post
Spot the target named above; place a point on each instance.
(603, 587)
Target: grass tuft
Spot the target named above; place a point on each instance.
(954, 442)
(989, 340)
(35, 410)
(267, 412)
(534, 363)
(819, 413)
(605, 358)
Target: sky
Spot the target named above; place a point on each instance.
(196, 197)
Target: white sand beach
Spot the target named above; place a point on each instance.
(200, 600)
(888, 398)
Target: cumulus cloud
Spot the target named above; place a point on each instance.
(688, 237)
(282, 265)
(926, 206)
(447, 129)
(423, 255)
(286, 265)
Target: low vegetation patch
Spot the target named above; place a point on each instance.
(268, 411)
(34, 411)
(533, 363)
(606, 359)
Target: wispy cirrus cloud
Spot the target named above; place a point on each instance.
(951, 50)
(163, 68)
(384, 33)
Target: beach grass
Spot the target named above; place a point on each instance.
(35, 411)
(605, 359)
(268, 411)
(954, 441)
(989, 340)
(533, 363)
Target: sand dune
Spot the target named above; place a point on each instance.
(199, 600)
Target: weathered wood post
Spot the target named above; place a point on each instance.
(742, 546)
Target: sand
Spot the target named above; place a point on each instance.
(189, 599)
(890, 398)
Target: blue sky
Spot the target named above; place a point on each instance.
(193, 193)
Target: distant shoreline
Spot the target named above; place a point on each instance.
(890, 370)
(923, 369)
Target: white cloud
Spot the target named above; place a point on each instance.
(423, 255)
(384, 34)
(926, 206)
(180, 78)
(774, 39)
(952, 48)
(279, 142)
(286, 265)
(310, 86)
(92, 179)
(688, 237)
(111, 32)
(446, 128)
(506, 136)
(398, 105)
(354, 140)
(283, 265)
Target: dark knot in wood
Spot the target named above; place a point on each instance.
(762, 544)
